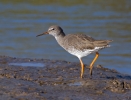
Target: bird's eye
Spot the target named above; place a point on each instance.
(53, 29)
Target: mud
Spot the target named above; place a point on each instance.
(59, 80)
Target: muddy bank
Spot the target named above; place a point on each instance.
(42, 79)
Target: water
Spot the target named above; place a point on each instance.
(28, 64)
(21, 21)
(76, 84)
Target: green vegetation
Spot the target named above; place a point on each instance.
(68, 2)
(118, 5)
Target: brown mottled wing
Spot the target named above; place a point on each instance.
(102, 43)
(79, 41)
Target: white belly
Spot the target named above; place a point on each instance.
(83, 53)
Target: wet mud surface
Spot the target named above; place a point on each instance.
(43, 79)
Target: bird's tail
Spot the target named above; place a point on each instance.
(102, 43)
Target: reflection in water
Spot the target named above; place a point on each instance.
(22, 21)
(76, 84)
(82, 83)
(26, 64)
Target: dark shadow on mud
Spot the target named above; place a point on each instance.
(127, 77)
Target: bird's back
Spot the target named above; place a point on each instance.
(78, 41)
(82, 42)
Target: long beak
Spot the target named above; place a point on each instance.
(42, 34)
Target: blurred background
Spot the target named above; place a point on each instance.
(22, 20)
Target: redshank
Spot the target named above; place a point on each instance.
(79, 45)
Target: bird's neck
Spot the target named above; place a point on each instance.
(59, 38)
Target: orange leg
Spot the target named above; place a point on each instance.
(91, 65)
(82, 68)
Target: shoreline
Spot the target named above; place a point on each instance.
(59, 80)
